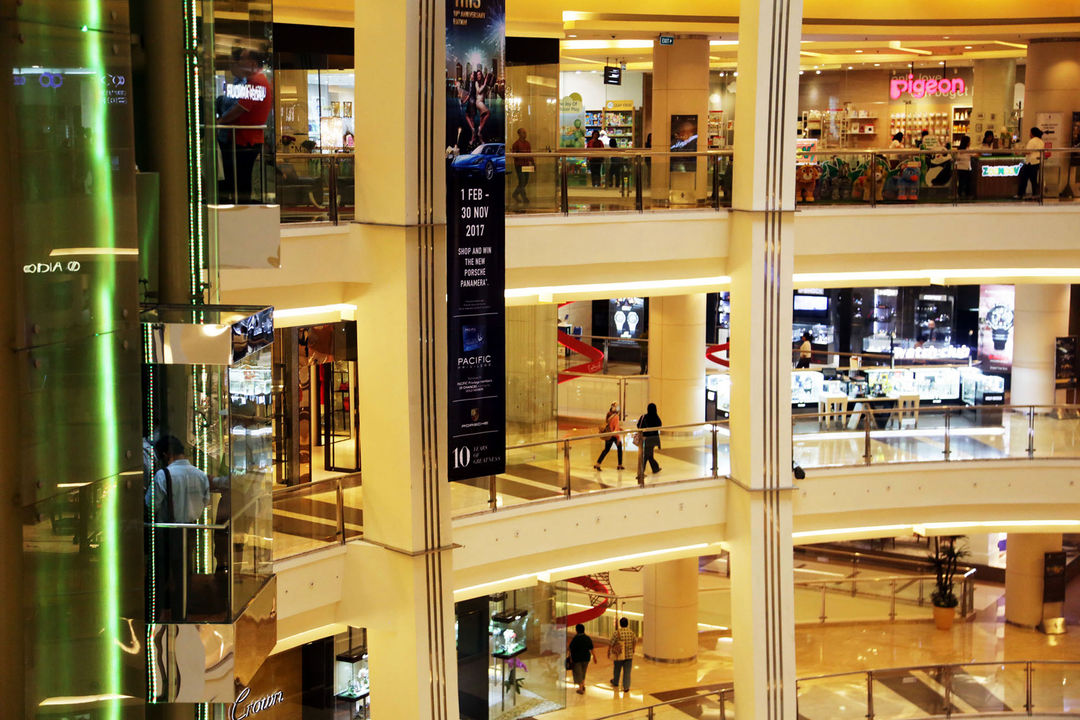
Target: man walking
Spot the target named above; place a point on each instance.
(523, 166)
(621, 650)
(581, 650)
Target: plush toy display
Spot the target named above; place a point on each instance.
(806, 178)
(862, 185)
(907, 182)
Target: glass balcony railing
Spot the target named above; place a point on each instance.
(1014, 687)
(881, 431)
(316, 515)
(321, 187)
(907, 176)
(316, 188)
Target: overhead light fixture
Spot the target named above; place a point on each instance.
(967, 47)
(714, 43)
(1009, 44)
(858, 51)
(801, 72)
(850, 67)
(895, 45)
(811, 54)
(877, 64)
(571, 35)
(817, 72)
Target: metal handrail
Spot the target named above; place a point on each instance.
(591, 436)
(944, 670)
(308, 486)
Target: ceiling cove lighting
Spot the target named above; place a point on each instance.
(549, 291)
(935, 276)
(65, 252)
(314, 310)
(570, 570)
(895, 45)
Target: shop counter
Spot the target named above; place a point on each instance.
(996, 176)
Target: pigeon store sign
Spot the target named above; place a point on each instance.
(926, 86)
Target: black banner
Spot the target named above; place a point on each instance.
(1054, 577)
(475, 237)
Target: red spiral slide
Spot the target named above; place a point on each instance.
(583, 616)
(710, 353)
(596, 357)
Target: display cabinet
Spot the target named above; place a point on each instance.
(351, 685)
(508, 633)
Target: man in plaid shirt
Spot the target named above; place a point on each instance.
(623, 642)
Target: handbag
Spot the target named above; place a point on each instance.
(569, 663)
(616, 648)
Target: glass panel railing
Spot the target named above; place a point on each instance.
(600, 181)
(1055, 688)
(985, 688)
(311, 516)
(303, 187)
(533, 185)
(345, 185)
(567, 467)
(844, 697)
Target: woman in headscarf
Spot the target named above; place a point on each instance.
(650, 439)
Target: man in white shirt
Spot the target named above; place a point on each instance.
(1032, 162)
(190, 486)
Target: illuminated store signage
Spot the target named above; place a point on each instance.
(931, 352)
(255, 707)
(1001, 170)
(53, 267)
(920, 87)
(246, 92)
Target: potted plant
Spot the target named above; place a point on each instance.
(945, 558)
(513, 683)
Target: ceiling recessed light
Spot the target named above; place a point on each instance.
(571, 36)
(946, 37)
(817, 72)
(858, 51)
(850, 68)
(967, 47)
(801, 72)
(941, 62)
(877, 64)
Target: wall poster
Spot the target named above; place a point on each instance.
(996, 328)
(475, 237)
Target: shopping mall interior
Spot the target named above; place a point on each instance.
(378, 360)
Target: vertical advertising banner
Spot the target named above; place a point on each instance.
(996, 328)
(475, 237)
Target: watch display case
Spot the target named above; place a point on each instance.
(937, 384)
(508, 633)
(720, 383)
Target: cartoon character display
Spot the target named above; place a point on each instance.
(862, 187)
(907, 181)
(806, 179)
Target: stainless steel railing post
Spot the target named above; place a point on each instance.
(892, 601)
(870, 695)
(566, 466)
(947, 451)
(715, 451)
(332, 180)
(1028, 704)
(822, 603)
(868, 417)
(639, 196)
(493, 494)
(1031, 431)
(340, 511)
(564, 191)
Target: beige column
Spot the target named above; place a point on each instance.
(676, 358)
(992, 100)
(680, 86)
(1041, 315)
(1024, 575)
(759, 515)
(402, 374)
(1052, 85)
(671, 611)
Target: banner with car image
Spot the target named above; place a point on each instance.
(475, 237)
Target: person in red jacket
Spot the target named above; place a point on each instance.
(241, 147)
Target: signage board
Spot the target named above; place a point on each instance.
(623, 105)
(612, 75)
(475, 238)
(1065, 368)
(667, 39)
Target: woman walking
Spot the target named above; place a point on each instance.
(611, 425)
(650, 439)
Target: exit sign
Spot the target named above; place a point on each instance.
(667, 39)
